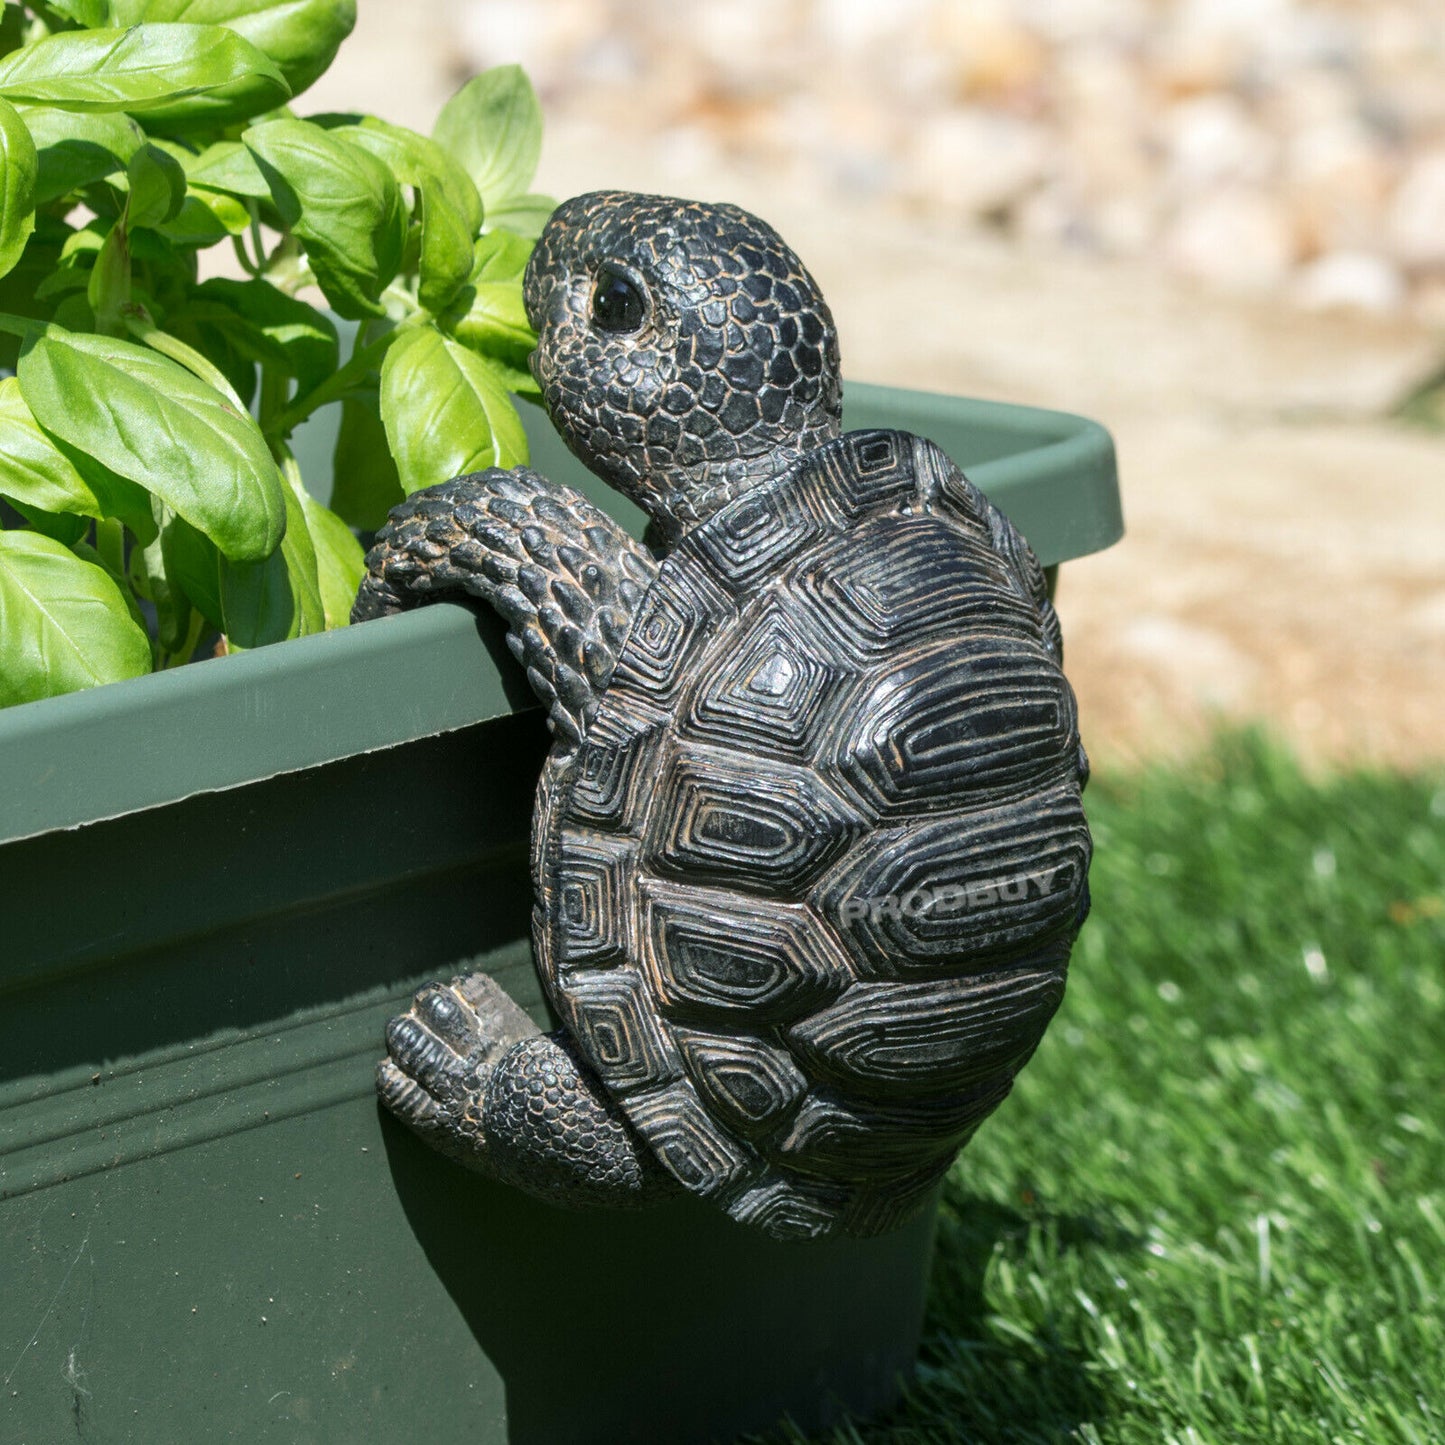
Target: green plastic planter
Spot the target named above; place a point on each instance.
(216, 885)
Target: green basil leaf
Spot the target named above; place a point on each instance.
(206, 217)
(445, 411)
(19, 165)
(77, 150)
(228, 166)
(149, 577)
(191, 563)
(211, 324)
(87, 240)
(40, 471)
(74, 313)
(14, 22)
(487, 314)
(450, 208)
(35, 472)
(493, 126)
(342, 203)
(19, 301)
(157, 187)
(108, 287)
(193, 326)
(139, 323)
(64, 623)
(131, 70)
(445, 258)
(144, 417)
(513, 378)
(87, 553)
(83, 12)
(63, 527)
(340, 562)
(62, 282)
(273, 328)
(364, 482)
(267, 601)
(413, 159)
(300, 36)
(525, 215)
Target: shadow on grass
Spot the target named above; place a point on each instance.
(980, 1382)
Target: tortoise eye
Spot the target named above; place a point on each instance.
(617, 304)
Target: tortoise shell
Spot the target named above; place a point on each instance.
(808, 887)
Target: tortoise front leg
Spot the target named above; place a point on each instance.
(472, 1074)
(563, 574)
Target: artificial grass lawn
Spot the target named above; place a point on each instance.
(1214, 1208)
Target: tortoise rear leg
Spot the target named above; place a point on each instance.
(472, 1074)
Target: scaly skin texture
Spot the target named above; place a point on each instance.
(731, 377)
(481, 1084)
(565, 576)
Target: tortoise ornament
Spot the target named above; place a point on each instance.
(808, 852)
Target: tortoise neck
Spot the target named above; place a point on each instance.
(697, 493)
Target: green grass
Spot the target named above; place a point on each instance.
(1214, 1208)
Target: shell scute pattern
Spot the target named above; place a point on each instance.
(615, 762)
(906, 746)
(751, 1083)
(923, 1037)
(677, 618)
(776, 692)
(841, 1139)
(900, 576)
(594, 893)
(747, 822)
(713, 955)
(997, 883)
(872, 711)
(614, 1018)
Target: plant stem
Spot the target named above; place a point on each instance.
(243, 257)
(273, 396)
(183, 653)
(256, 240)
(334, 387)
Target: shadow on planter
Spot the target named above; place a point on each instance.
(625, 1327)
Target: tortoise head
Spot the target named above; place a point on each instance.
(683, 351)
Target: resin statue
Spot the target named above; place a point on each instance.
(808, 850)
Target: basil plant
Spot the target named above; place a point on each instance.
(151, 509)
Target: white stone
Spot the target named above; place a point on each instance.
(1351, 281)
(1235, 238)
(1213, 139)
(1337, 180)
(1417, 213)
(988, 51)
(976, 162)
(856, 24)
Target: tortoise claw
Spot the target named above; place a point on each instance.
(440, 1054)
(406, 1098)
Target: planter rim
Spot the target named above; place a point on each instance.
(209, 726)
